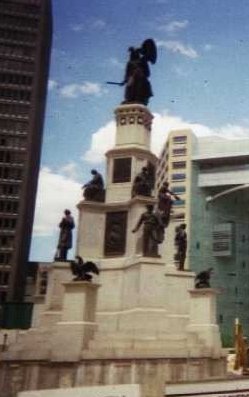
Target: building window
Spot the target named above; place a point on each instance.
(180, 139)
(122, 170)
(178, 216)
(178, 189)
(178, 203)
(223, 239)
(178, 164)
(5, 258)
(4, 278)
(43, 281)
(179, 152)
(178, 177)
(3, 296)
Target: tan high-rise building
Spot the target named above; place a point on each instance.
(25, 42)
(175, 167)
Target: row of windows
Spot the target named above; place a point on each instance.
(180, 139)
(179, 216)
(13, 125)
(179, 152)
(19, 79)
(177, 177)
(178, 202)
(7, 241)
(9, 207)
(8, 223)
(12, 157)
(12, 64)
(15, 109)
(20, 7)
(16, 20)
(11, 173)
(16, 95)
(178, 164)
(16, 50)
(9, 190)
(17, 35)
(3, 296)
(19, 142)
(178, 189)
(43, 281)
(5, 258)
(4, 278)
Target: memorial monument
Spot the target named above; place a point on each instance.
(137, 322)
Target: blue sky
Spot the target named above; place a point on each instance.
(201, 80)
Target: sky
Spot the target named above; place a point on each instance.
(200, 81)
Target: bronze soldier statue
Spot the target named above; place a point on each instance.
(65, 238)
(153, 231)
(94, 189)
(181, 243)
(142, 184)
(165, 202)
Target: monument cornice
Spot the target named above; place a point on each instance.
(132, 149)
(105, 207)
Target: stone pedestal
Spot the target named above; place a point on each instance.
(77, 326)
(203, 318)
(177, 286)
(133, 126)
(58, 273)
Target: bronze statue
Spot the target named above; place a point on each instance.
(165, 202)
(142, 184)
(137, 86)
(82, 270)
(65, 238)
(202, 279)
(181, 243)
(153, 231)
(94, 189)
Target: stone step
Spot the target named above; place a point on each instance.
(138, 344)
(159, 352)
(137, 335)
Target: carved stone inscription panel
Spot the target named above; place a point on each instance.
(122, 170)
(115, 233)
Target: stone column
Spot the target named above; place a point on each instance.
(203, 318)
(77, 326)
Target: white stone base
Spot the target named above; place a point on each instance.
(203, 318)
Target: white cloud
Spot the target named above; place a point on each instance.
(232, 131)
(77, 27)
(178, 48)
(52, 84)
(116, 63)
(174, 26)
(208, 47)
(69, 170)
(55, 193)
(104, 138)
(98, 24)
(87, 88)
(180, 71)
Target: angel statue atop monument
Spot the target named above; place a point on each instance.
(136, 80)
